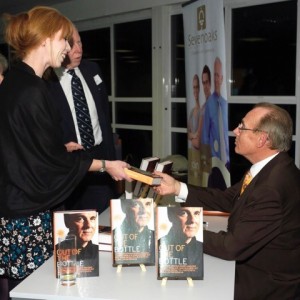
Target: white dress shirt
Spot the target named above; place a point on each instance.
(65, 81)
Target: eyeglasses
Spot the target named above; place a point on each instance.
(241, 127)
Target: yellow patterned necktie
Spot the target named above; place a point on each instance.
(247, 180)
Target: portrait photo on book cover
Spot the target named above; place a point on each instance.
(83, 225)
(179, 242)
(133, 231)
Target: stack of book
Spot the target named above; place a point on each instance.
(145, 177)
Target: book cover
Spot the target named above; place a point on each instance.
(105, 238)
(133, 231)
(164, 167)
(179, 237)
(147, 164)
(143, 176)
(84, 225)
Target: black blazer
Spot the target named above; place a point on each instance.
(263, 233)
(89, 70)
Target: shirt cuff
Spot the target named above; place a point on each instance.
(183, 193)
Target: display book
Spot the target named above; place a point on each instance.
(133, 237)
(179, 238)
(83, 224)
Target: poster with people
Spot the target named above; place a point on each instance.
(207, 107)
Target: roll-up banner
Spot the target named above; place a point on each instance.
(207, 107)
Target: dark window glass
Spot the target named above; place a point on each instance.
(264, 49)
(133, 53)
(177, 57)
(96, 47)
(139, 113)
(179, 143)
(136, 144)
(178, 116)
(236, 113)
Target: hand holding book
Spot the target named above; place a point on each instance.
(168, 185)
(143, 176)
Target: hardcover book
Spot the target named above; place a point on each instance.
(179, 236)
(84, 225)
(133, 231)
(147, 164)
(143, 176)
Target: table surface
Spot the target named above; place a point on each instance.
(132, 282)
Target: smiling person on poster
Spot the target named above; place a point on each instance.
(263, 235)
(195, 115)
(37, 173)
(215, 130)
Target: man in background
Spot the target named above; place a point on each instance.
(96, 189)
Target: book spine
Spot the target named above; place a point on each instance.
(141, 177)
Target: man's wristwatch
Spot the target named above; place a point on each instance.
(103, 168)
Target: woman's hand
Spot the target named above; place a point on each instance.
(115, 168)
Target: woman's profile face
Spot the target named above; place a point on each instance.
(58, 48)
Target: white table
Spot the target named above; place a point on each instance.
(132, 282)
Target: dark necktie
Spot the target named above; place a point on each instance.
(82, 112)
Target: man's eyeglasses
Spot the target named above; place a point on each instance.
(241, 127)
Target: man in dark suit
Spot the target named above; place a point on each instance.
(263, 234)
(96, 189)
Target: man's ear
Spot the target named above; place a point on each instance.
(263, 139)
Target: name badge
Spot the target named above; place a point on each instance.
(97, 79)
